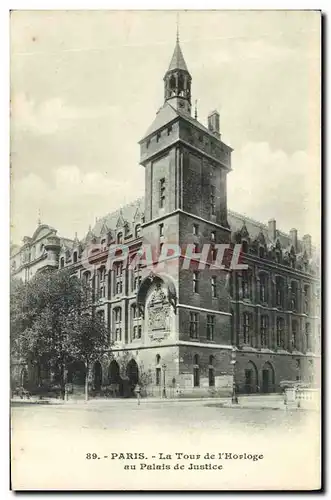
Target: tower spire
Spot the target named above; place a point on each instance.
(177, 33)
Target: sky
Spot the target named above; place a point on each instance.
(86, 85)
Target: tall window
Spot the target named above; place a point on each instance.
(211, 372)
(195, 282)
(306, 291)
(136, 278)
(196, 371)
(137, 230)
(280, 333)
(294, 339)
(158, 375)
(294, 296)
(195, 229)
(101, 316)
(118, 278)
(263, 287)
(264, 331)
(120, 238)
(194, 325)
(162, 193)
(261, 252)
(75, 257)
(161, 230)
(213, 287)
(62, 262)
(308, 337)
(101, 283)
(279, 291)
(210, 327)
(117, 315)
(247, 328)
(213, 236)
(212, 200)
(246, 285)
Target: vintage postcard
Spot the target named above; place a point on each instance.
(165, 250)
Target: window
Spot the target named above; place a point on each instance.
(279, 291)
(246, 285)
(120, 238)
(158, 136)
(244, 246)
(212, 200)
(194, 323)
(308, 337)
(118, 268)
(213, 287)
(101, 289)
(306, 291)
(196, 371)
(75, 257)
(148, 143)
(162, 192)
(213, 236)
(247, 328)
(210, 327)
(263, 288)
(117, 315)
(169, 129)
(134, 311)
(264, 331)
(158, 375)
(195, 247)
(195, 229)
(137, 230)
(195, 282)
(62, 262)
(161, 230)
(211, 372)
(101, 316)
(280, 334)
(294, 340)
(136, 278)
(261, 252)
(213, 253)
(294, 296)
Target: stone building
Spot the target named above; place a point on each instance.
(183, 329)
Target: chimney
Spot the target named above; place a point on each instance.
(294, 238)
(306, 240)
(272, 229)
(214, 123)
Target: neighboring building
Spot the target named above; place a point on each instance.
(180, 327)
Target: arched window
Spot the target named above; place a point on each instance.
(157, 359)
(138, 230)
(246, 284)
(158, 369)
(75, 257)
(120, 238)
(62, 262)
(244, 246)
(279, 292)
(196, 371)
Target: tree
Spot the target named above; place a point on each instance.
(44, 313)
(86, 340)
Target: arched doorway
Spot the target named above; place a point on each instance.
(132, 372)
(251, 378)
(24, 378)
(268, 378)
(115, 380)
(97, 375)
(76, 373)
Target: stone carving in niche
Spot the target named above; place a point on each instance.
(158, 314)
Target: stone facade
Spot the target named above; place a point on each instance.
(186, 331)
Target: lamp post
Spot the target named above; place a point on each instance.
(234, 398)
(164, 394)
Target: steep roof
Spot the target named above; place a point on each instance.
(177, 60)
(126, 213)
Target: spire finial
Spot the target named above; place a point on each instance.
(177, 33)
(39, 217)
(196, 110)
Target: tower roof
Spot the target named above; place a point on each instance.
(177, 60)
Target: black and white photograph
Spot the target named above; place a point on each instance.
(165, 250)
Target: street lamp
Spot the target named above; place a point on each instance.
(164, 394)
(234, 398)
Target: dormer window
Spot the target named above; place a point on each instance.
(137, 230)
(62, 262)
(244, 246)
(158, 136)
(169, 130)
(75, 257)
(261, 252)
(120, 238)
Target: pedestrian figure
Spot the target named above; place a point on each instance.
(137, 391)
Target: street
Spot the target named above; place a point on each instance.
(88, 444)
